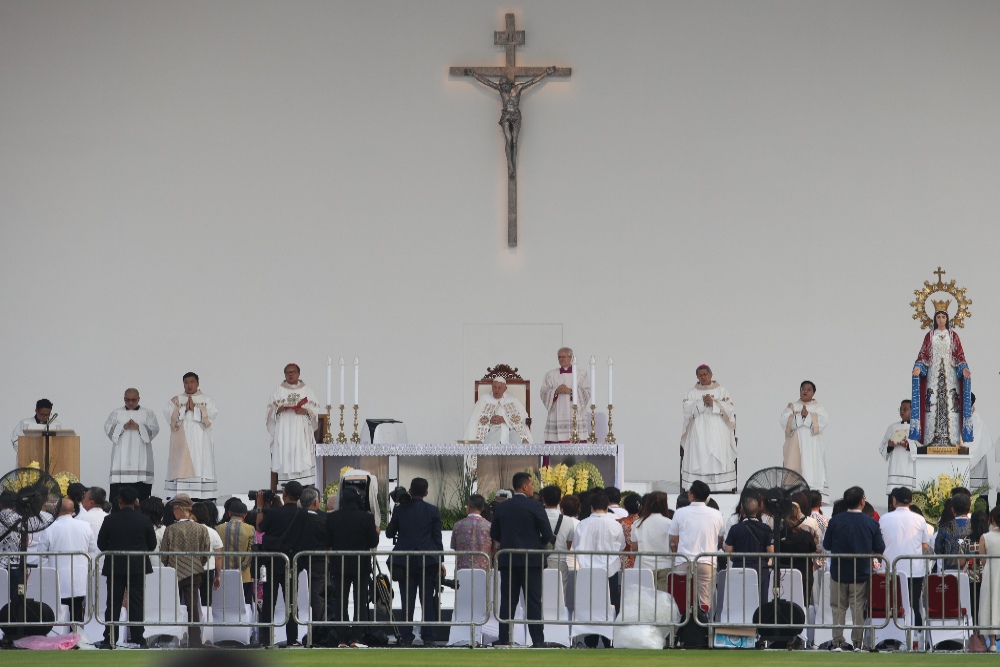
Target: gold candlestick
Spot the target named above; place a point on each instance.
(592, 438)
(356, 439)
(574, 437)
(610, 437)
(327, 438)
(341, 437)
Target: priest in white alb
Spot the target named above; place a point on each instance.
(498, 418)
(708, 442)
(191, 462)
(900, 452)
(804, 452)
(131, 429)
(557, 397)
(292, 422)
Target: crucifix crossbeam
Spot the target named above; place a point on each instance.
(510, 97)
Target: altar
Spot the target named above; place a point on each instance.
(927, 467)
(447, 466)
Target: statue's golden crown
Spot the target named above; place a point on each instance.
(941, 305)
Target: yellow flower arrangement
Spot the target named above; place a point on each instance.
(934, 494)
(580, 477)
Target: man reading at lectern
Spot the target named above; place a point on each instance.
(43, 412)
(498, 418)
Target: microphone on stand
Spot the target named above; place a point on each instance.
(52, 418)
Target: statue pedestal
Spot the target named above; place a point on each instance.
(927, 467)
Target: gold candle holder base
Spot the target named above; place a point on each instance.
(341, 437)
(592, 438)
(327, 438)
(610, 437)
(574, 436)
(355, 438)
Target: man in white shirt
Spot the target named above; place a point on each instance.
(67, 535)
(905, 534)
(92, 508)
(614, 503)
(695, 529)
(43, 413)
(601, 532)
(563, 527)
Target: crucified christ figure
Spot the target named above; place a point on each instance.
(510, 116)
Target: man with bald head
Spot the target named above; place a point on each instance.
(292, 422)
(131, 429)
(64, 537)
(557, 396)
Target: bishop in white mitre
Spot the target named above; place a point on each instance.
(292, 422)
(131, 429)
(708, 442)
(900, 452)
(804, 452)
(498, 418)
(191, 462)
(557, 396)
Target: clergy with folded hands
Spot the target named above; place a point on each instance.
(498, 418)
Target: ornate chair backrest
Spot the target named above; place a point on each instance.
(517, 386)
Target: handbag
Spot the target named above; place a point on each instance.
(977, 643)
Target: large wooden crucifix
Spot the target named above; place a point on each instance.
(510, 97)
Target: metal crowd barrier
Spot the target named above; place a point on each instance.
(754, 590)
(331, 579)
(44, 588)
(236, 610)
(599, 603)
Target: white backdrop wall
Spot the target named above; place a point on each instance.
(227, 186)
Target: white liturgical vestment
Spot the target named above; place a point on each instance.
(709, 438)
(191, 464)
(559, 423)
(293, 440)
(901, 459)
(31, 427)
(804, 451)
(131, 449)
(512, 430)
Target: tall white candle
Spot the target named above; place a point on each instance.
(356, 381)
(575, 392)
(611, 367)
(593, 380)
(329, 380)
(341, 380)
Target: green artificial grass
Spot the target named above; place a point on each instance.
(484, 658)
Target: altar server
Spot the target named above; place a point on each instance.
(131, 430)
(900, 452)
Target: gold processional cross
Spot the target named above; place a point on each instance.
(510, 98)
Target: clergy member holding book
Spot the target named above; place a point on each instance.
(292, 422)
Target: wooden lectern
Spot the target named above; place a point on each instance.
(63, 453)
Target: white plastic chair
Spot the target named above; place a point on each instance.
(43, 585)
(741, 596)
(304, 610)
(471, 606)
(554, 608)
(593, 603)
(790, 588)
(892, 631)
(955, 623)
(163, 606)
(229, 607)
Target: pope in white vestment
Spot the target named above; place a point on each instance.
(498, 418)
(557, 397)
(191, 463)
(131, 447)
(708, 442)
(900, 452)
(804, 452)
(292, 422)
